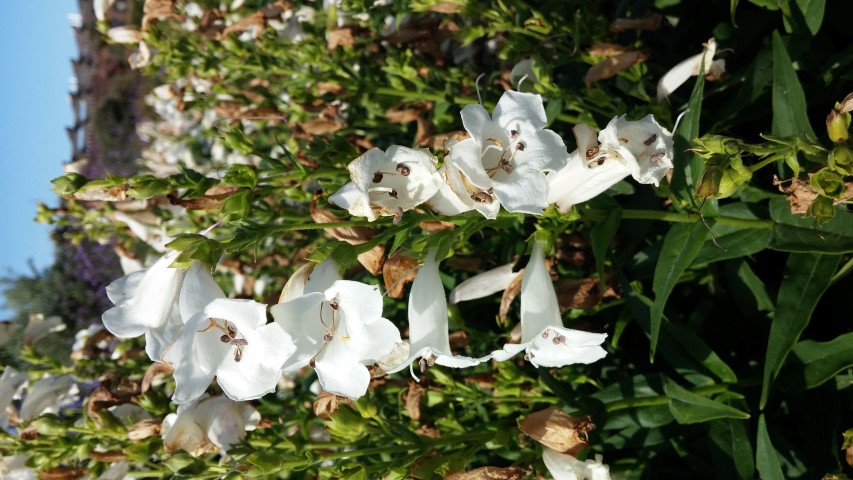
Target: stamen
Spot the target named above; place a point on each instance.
(545, 334)
(513, 134)
(387, 190)
(657, 157)
(482, 197)
(431, 360)
(623, 140)
(477, 86)
(651, 140)
(392, 193)
(592, 152)
(403, 170)
(377, 177)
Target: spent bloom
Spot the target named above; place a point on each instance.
(503, 161)
(229, 339)
(338, 332)
(388, 183)
(563, 466)
(428, 337)
(208, 425)
(641, 148)
(543, 337)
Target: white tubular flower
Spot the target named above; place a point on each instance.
(388, 183)
(208, 425)
(566, 467)
(230, 340)
(484, 284)
(48, 395)
(152, 302)
(40, 326)
(642, 149)
(101, 8)
(690, 68)
(124, 34)
(543, 337)
(11, 382)
(428, 337)
(338, 332)
(15, 468)
(504, 160)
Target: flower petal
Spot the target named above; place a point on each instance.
(244, 314)
(259, 369)
(520, 111)
(354, 200)
(198, 289)
(558, 347)
(428, 309)
(193, 372)
(300, 318)
(577, 183)
(340, 372)
(539, 308)
(483, 284)
(475, 118)
(544, 150)
(467, 157)
(523, 191)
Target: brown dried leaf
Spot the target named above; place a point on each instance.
(432, 226)
(29, 433)
(329, 87)
(114, 194)
(458, 340)
(221, 191)
(557, 430)
(439, 142)
(62, 473)
(403, 113)
(351, 235)
(210, 24)
(158, 10)
(321, 126)
(846, 104)
(446, 7)
(412, 397)
(373, 260)
(107, 457)
(328, 403)
(255, 20)
(650, 23)
(483, 381)
(90, 347)
(608, 49)
(582, 294)
(340, 37)
(156, 369)
(489, 473)
(512, 290)
(613, 65)
(200, 203)
(430, 431)
(397, 272)
(150, 427)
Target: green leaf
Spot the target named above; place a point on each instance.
(680, 246)
(766, 458)
(797, 233)
(807, 276)
(195, 247)
(789, 101)
(684, 180)
(813, 11)
(769, 4)
(813, 363)
(680, 347)
(733, 9)
(601, 235)
(756, 286)
(732, 242)
(68, 183)
(688, 407)
(731, 439)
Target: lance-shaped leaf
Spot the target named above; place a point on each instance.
(789, 101)
(688, 407)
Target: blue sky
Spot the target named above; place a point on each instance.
(36, 49)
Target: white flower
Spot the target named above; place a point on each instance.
(690, 68)
(15, 468)
(428, 337)
(124, 34)
(48, 395)
(157, 301)
(503, 161)
(40, 326)
(642, 149)
(208, 425)
(484, 284)
(543, 337)
(101, 8)
(11, 383)
(388, 183)
(338, 332)
(230, 340)
(566, 467)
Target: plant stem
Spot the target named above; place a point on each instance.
(676, 217)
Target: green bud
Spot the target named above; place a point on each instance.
(49, 425)
(346, 425)
(709, 185)
(728, 184)
(241, 176)
(68, 183)
(822, 209)
(366, 408)
(838, 125)
(237, 206)
(237, 140)
(841, 160)
(828, 183)
(718, 144)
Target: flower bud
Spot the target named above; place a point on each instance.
(346, 424)
(822, 209)
(841, 160)
(827, 183)
(709, 185)
(838, 125)
(50, 425)
(719, 144)
(68, 183)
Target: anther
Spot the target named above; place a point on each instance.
(559, 339)
(591, 152)
(545, 334)
(431, 360)
(650, 140)
(520, 146)
(513, 133)
(392, 193)
(334, 303)
(623, 140)
(377, 177)
(656, 157)
(482, 197)
(422, 365)
(328, 337)
(226, 339)
(403, 170)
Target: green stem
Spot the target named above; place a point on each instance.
(767, 161)
(843, 272)
(676, 217)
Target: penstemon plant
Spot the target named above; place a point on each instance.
(315, 176)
